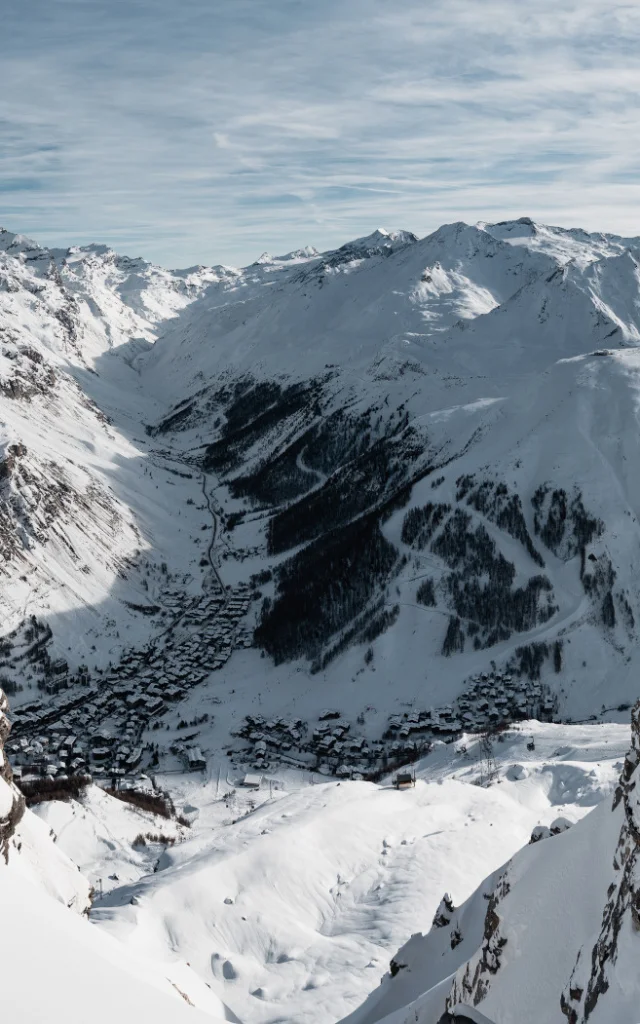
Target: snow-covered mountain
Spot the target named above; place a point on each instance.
(315, 519)
(395, 429)
(403, 463)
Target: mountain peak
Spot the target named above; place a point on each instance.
(9, 241)
(515, 231)
(379, 243)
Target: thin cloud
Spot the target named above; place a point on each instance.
(209, 131)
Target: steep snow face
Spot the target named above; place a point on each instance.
(553, 935)
(291, 900)
(81, 973)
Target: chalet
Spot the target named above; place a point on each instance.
(134, 758)
(196, 760)
(251, 781)
(155, 705)
(404, 780)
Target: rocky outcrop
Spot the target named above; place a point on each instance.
(590, 981)
(472, 983)
(11, 799)
(598, 977)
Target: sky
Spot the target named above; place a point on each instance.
(202, 131)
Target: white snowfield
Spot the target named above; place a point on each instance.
(57, 967)
(99, 835)
(294, 911)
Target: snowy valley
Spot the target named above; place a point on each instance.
(271, 535)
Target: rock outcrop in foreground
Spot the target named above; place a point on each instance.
(552, 935)
(621, 913)
(589, 922)
(11, 799)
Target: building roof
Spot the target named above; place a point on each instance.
(252, 780)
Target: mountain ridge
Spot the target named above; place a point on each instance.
(315, 405)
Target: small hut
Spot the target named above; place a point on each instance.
(196, 761)
(404, 780)
(251, 781)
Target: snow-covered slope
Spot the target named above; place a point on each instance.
(82, 974)
(291, 900)
(345, 311)
(69, 476)
(107, 838)
(550, 936)
(55, 965)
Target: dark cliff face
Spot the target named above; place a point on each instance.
(11, 799)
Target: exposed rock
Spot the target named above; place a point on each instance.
(11, 799)
(590, 979)
(539, 832)
(444, 912)
(559, 825)
(471, 984)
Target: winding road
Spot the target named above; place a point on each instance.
(214, 532)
